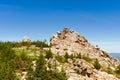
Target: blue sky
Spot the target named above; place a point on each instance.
(97, 20)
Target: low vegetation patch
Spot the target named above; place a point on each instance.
(96, 64)
(12, 60)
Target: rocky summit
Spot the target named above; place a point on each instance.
(70, 42)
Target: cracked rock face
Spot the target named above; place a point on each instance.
(71, 42)
(85, 71)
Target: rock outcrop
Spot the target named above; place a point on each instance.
(69, 41)
(82, 70)
(25, 39)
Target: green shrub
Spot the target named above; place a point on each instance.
(39, 44)
(96, 64)
(79, 56)
(71, 56)
(66, 56)
(7, 62)
(86, 58)
(109, 70)
(49, 54)
(65, 49)
(118, 69)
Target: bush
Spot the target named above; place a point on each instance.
(49, 54)
(60, 58)
(79, 56)
(118, 70)
(86, 58)
(66, 56)
(39, 44)
(96, 64)
(7, 62)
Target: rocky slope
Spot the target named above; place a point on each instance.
(69, 41)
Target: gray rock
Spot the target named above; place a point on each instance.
(71, 42)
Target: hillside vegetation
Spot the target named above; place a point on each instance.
(16, 59)
(65, 58)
